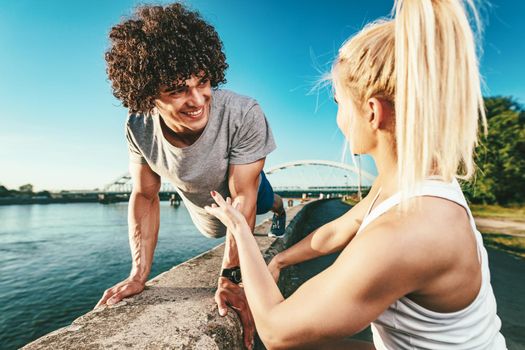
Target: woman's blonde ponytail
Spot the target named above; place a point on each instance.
(438, 98)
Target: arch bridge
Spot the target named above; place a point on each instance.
(314, 177)
(291, 179)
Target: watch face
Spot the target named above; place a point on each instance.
(233, 274)
(236, 276)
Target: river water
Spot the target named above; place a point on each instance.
(56, 260)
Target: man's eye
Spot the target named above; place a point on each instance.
(204, 81)
(176, 92)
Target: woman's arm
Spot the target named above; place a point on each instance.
(372, 272)
(329, 238)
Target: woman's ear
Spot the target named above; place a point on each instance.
(375, 113)
(378, 112)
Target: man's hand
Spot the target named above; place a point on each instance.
(230, 294)
(119, 291)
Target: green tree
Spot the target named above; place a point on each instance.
(4, 192)
(500, 155)
(27, 188)
(43, 194)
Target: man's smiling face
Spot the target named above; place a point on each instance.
(185, 108)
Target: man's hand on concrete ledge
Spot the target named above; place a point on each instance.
(231, 294)
(121, 290)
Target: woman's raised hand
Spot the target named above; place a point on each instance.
(228, 213)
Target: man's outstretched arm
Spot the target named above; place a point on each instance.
(243, 182)
(143, 227)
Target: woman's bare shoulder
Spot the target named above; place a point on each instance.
(427, 240)
(430, 220)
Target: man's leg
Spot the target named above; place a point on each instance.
(278, 206)
(266, 201)
(279, 217)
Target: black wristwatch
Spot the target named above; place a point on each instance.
(233, 274)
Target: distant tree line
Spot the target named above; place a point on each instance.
(23, 191)
(500, 156)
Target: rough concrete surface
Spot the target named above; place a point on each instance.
(175, 311)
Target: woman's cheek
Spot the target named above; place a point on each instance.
(343, 123)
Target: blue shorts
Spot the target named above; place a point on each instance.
(264, 196)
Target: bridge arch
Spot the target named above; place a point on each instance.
(366, 175)
(123, 184)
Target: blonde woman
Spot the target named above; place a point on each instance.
(412, 263)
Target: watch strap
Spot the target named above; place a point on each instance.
(233, 274)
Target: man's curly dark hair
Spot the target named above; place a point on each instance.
(160, 46)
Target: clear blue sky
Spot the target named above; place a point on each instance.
(61, 128)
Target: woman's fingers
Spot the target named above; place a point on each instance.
(217, 211)
(218, 198)
(236, 203)
(220, 214)
(213, 209)
(223, 206)
(227, 212)
(221, 210)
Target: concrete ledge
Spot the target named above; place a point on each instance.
(175, 311)
(296, 225)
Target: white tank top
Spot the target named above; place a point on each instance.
(407, 325)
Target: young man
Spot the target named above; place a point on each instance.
(165, 64)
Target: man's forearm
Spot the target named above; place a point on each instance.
(231, 256)
(143, 222)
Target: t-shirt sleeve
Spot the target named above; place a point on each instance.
(253, 140)
(135, 156)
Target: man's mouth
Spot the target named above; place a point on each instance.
(194, 113)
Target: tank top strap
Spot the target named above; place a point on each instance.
(373, 201)
(431, 187)
(382, 208)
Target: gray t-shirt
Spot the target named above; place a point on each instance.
(237, 132)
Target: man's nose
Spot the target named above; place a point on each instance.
(196, 97)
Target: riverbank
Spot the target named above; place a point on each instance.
(78, 197)
(175, 311)
(47, 200)
(56, 260)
